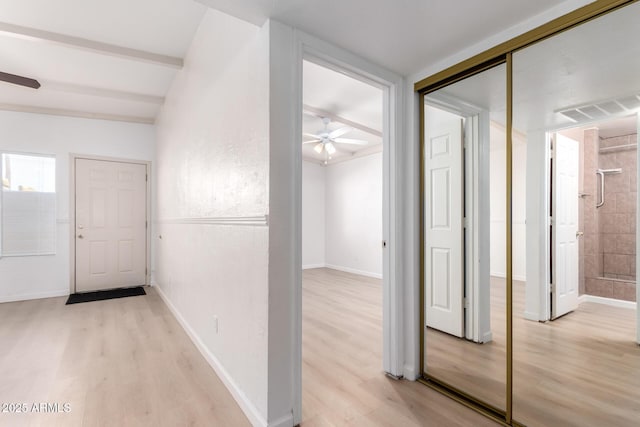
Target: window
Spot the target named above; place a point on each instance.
(28, 204)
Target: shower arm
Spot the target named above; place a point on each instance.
(602, 172)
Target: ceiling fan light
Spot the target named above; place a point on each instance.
(318, 147)
(330, 148)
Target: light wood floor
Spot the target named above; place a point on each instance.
(580, 370)
(127, 362)
(343, 380)
(122, 362)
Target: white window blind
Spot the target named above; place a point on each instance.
(28, 204)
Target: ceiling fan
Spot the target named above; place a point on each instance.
(326, 139)
(19, 80)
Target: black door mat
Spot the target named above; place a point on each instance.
(102, 295)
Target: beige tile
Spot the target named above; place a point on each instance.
(618, 182)
(599, 287)
(591, 223)
(610, 205)
(624, 291)
(626, 159)
(625, 203)
(609, 243)
(607, 161)
(591, 266)
(624, 244)
(618, 264)
(591, 246)
(614, 223)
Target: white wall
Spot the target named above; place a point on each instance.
(498, 193)
(213, 201)
(46, 276)
(313, 215)
(354, 216)
(342, 215)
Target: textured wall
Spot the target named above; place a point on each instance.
(213, 166)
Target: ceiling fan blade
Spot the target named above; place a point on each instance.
(351, 141)
(19, 80)
(339, 132)
(311, 135)
(311, 141)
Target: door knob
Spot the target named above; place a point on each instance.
(80, 236)
(579, 234)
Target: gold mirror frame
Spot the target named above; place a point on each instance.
(499, 54)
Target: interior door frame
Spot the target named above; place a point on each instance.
(477, 141)
(72, 212)
(538, 284)
(307, 47)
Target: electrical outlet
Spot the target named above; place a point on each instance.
(215, 324)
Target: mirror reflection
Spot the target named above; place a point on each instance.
(464, 236)
(576, 99)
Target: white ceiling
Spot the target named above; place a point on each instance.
(348, 102)
(402, 35)
(589, 64)
(94, 82)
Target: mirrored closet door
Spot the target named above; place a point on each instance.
(529, 212)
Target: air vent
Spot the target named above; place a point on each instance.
(611, 107)
(602, 109)
(594, 112)
(575, 115)
(630, 102)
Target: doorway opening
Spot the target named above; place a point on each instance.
(593, 206)
(342, 239)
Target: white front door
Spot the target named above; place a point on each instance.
(564, 278)
(110, 224)
(444, 278)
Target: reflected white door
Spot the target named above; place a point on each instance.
(564, 289)
(444, 278)
(110, 241)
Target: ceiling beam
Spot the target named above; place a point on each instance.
(104, 93)
(75, 113)
(90, 45)
(320, 113)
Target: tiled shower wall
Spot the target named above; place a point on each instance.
(610, 230)
(591, 238)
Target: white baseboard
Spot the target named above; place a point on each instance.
(37, 295)
(517, 277)
(410, 373)
(607, 301)
(252, 413)
(310, 266)
(286, 421)
(487, 337)
(529, 315)
(354, 271)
